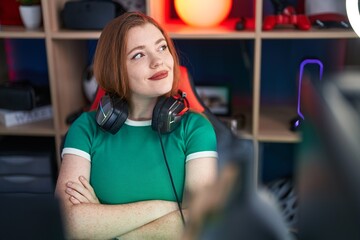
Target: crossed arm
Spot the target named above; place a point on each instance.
(86, 218)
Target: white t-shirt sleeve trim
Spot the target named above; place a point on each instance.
(77, 152)
(204, 154)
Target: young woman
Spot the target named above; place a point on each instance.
(117, 184)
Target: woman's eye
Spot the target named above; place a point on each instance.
(163, 48)
(138, 56)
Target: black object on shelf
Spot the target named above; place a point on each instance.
(27, 165)
(23, 95)
(91, 14)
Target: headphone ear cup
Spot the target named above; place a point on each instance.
(112, 113)
(167, 114)
(155, 122)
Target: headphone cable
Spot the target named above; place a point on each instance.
(171, 178)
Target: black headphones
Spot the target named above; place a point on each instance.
(113, 111)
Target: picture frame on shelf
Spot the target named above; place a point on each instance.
(216, 97)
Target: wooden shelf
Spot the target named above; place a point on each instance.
(274, 124)
(75, 35)
(310, 34)
(39, 128)
(210, 34)
(20, 32)
(226, 30)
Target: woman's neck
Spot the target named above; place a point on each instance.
(141, 109)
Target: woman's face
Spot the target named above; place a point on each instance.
(149, 62)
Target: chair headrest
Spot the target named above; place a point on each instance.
(186, 85)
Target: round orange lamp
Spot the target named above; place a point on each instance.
(203, 13)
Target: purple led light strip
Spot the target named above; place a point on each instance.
(302, 65)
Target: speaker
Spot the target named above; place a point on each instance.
(90, 14)
(112, 113)
(23, 96)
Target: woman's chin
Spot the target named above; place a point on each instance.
(163, 90)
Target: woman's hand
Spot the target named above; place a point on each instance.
(81, 193)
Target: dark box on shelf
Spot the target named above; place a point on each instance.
(23, 96)
(90, 15)
(27, 165)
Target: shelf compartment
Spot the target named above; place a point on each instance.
(274, 124)
(175, 27)
(70, 59)
(164, 12)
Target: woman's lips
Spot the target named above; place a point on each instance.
(159, 75)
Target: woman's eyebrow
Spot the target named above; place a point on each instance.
(159, 40)
(136, 48)
(140, 47)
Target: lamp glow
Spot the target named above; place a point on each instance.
(203, 13)
(352, 10)
(302, 66)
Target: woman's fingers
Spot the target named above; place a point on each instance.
(81, 192)
(87, 185)
(78, 191)
(75, 196)
(73, 200)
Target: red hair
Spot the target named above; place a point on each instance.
(109, 61)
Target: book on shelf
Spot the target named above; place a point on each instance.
(10, 118)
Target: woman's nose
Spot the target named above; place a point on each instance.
(156, 62)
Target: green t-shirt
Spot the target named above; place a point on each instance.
(129, 166)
